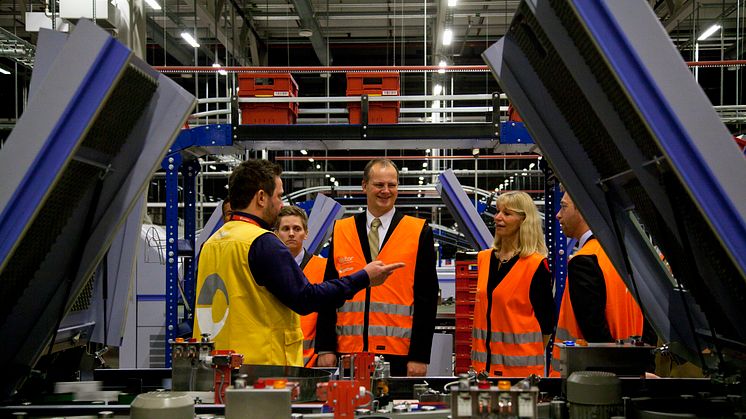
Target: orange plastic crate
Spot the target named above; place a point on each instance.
(374, 84)
(268, 113)
(268, 85)
(378, 112)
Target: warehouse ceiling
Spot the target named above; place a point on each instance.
(301, 33)
(352, 32)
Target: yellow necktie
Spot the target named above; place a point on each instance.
(373, 240)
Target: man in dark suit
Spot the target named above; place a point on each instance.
(398, 321)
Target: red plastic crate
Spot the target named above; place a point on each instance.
(463, 362)
(468, 294)
(268, 85)
(463, 333)
(374, 84)
(466, 269)
(463, 348)
(466, 284)
(378, 112)
(465, 321)
(268, 113)
(465, 307)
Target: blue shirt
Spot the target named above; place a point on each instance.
(274, 267)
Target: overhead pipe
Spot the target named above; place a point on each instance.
(328, 69)
(480, 157)
(382, 68)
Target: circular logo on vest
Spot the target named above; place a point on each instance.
(207, 305)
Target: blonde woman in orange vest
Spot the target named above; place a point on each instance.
(596, 304)
(292, 228)
(514, 310)
(398, 319)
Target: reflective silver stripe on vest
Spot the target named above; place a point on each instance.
(390, 331)
(308, 344)
(359, 307)
(510, 338)
(563, 335)
(556, 364)
(508, 360)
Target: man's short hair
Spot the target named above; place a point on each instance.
(250, 177)
(292, 210)
(226, 207)
(382, 162)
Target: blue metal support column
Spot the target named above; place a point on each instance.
(172, 164)
(189, 173)
(204, 136)
(556, 242)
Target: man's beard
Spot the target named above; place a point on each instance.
(269, 216)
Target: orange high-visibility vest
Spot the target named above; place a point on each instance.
(623, 315)
(516, 346)
(314, 271)
(389, 316)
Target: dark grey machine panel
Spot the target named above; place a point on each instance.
(96, 127)
(627, 129)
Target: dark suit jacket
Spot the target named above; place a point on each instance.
(425, 294)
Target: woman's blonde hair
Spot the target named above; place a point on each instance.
(530, 234)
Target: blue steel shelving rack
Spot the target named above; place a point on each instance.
(175, 163)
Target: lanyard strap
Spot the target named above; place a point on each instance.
(239, 217)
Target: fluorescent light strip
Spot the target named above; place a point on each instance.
(4, 71)
(153, 4)
(711, 30)
(447, 37)
(190, 39)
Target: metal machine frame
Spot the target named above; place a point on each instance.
(73, 169)
(638, 145)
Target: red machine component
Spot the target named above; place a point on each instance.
(365, 365)
(342, 397)
(224, 361)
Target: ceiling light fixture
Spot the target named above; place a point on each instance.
(303, 152)
(442, 64)
(190, 39)
(447, 36)
(711, 30)
(304, 32)
(154, 4)
(4, 71)
(437, 89)
(452, 3)
(221, 71)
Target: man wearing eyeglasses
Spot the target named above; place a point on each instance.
(397, 319)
